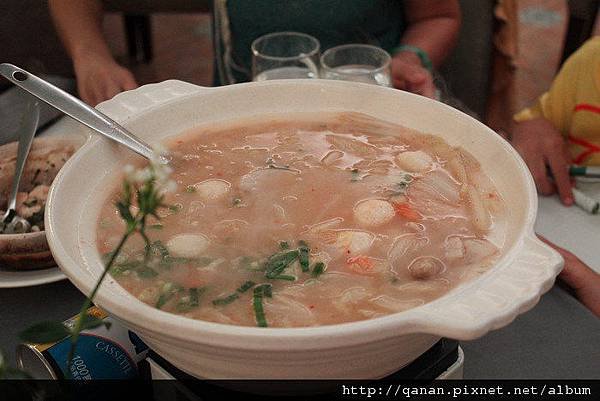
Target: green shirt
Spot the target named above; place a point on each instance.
(332, 22)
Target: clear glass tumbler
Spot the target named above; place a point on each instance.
(357, 62)
(285, 55)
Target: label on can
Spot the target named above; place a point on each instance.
(101, 353)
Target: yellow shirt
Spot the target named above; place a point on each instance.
(572, 104)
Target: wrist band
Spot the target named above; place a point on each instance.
(425, 60)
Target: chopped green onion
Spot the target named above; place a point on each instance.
(227, 300)
(156, 226)
(284, 245)
(318, 269)
(246, 286)
(190, 189)
(277, 263)
(303, 253)
(284, 277)
(190, 301)
(232, 297)
(261, 291)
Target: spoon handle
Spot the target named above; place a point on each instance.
(74, 108)
(27, 129)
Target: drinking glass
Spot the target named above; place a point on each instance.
(357, 62)
(285, 55)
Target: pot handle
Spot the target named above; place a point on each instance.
(510, 290)
(147, 97)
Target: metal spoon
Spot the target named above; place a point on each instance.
(12, 223)
(75, 108)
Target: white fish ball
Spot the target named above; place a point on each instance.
(188, 245)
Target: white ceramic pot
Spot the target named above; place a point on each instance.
(364, 349)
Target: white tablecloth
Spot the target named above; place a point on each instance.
(571, 227)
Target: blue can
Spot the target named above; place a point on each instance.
(101, 353)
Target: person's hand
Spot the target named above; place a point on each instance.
(408, 74)
(584, 281)
(101, 78)
(542, 147)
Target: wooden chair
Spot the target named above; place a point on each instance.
(137, 21)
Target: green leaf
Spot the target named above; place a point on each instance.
(45, 332)
(125, 212)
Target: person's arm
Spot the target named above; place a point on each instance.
(433, 27)
(539, 132)
(79, 24)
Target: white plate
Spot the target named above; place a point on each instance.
(16, 279)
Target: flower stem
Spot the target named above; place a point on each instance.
(88, 302)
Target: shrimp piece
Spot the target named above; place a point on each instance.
(403, 209)
(373, 212)
(365, 265)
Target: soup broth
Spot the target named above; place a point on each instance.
(310, 220)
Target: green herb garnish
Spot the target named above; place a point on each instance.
(190, 189)
(355, 175)
(277, 263)
(303, 253)
(232, 297)
(285, 277)
(261, 291)
(156, 226)
(318, 269)
(284, 245)
(191, 300)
